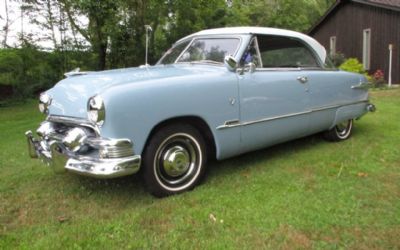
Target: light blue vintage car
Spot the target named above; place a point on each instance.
(215, 94)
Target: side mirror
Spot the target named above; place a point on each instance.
(230, 62)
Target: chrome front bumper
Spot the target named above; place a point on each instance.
(97, 157)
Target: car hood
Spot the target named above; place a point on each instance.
(70, 95)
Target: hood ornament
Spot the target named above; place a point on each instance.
(75, 72)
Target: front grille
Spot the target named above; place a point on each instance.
(87, 141)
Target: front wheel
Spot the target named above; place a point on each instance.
(340, 132)
(174, 160)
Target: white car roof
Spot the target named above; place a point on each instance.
(319, 49)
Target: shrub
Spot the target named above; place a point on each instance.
(353, 65)
(26, 71)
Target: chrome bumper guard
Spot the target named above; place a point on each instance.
(108, 158)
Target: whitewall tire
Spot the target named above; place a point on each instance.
(174, 160)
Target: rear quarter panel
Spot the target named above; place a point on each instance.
(332, 98)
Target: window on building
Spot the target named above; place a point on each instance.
(367, 48)
(332, 45)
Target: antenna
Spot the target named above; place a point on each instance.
(148, 30)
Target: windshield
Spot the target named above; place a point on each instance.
(202, 50)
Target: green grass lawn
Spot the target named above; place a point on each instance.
(304, 194)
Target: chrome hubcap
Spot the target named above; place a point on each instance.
(343, 127)
(176, 161)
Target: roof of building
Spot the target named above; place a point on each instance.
(385, 4)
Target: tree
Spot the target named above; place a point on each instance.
(102, 20)
(6, 26)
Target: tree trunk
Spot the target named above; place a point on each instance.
(102, 54)
(51, 22)
(6, 26)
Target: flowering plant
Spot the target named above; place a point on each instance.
(378, 78)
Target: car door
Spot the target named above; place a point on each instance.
(274, 98)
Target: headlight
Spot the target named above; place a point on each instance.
(44, 103)
(96, 110)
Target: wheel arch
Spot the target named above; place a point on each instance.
(194, 121)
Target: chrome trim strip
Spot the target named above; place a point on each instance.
(338, 105)
(361, 85)
(227, 125)
(275, 118)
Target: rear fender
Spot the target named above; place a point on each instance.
(348, 112)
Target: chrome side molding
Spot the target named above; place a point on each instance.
(237, 123)
(361, 85)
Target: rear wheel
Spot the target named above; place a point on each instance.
(174, 160)
(340, 132)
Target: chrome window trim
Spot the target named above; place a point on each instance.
(228, 124)
(184, 50)
(258, 52)
(173, 46)
(254, 39)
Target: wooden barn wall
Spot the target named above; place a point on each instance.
(347, 24)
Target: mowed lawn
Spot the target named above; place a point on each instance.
(304, 194)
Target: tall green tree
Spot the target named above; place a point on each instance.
(101, 18)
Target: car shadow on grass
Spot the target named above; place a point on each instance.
(133, 186)
(250, 159)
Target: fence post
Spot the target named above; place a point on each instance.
(390, 64)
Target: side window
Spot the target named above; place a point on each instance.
(251, 55)
(285, 52)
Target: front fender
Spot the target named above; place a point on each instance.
(133, 110)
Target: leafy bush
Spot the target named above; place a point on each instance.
(353, 65)
(28, 71)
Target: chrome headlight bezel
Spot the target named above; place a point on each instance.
(44, 103)
(96, 110)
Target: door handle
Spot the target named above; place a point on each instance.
(302, 79)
